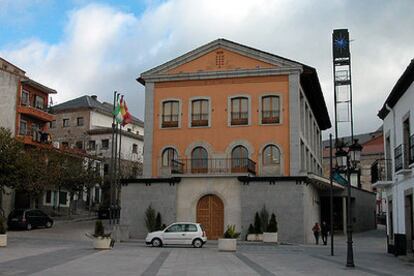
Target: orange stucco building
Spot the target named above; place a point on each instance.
(221, 120)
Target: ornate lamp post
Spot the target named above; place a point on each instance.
(348, 161)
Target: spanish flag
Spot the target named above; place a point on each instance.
(126, 116)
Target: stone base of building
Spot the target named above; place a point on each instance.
(217, 202)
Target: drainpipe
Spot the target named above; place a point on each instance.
(394, 177)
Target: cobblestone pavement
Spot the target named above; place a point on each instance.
(64, 250)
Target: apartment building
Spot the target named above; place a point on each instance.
(85, 124)
(23, 110)
(394, 173)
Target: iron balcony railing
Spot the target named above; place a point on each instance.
(239, 118)
(170, 120)
(270, 116)
(199, 119)
(381, 170)
(213, 166)
(402, 157)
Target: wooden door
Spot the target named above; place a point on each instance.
(210, 213)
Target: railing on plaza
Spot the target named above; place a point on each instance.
(213, 166)
(381, 170)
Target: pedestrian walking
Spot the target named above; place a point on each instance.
(324, 232)
(316, 230)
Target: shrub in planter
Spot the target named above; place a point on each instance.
(100, 239)
(271, 234)
(158, 223)
(3, 234)
(264, 218)
(257, 224)
(150, 219)
(229, 242)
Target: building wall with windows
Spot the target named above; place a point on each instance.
(398, 116)
(220, 95)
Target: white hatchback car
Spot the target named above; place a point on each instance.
(179, 233)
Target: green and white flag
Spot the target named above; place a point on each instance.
(117, 111)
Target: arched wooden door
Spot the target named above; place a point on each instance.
(210, 213)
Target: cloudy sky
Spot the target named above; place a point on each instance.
(83, 47)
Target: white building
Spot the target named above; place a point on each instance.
(396, 174)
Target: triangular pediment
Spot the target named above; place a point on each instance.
(221, 55)
(220, 59)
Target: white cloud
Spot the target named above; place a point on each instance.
(105, 49)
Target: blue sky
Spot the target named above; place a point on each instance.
(83, 47)
(46, 19)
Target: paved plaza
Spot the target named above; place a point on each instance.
(64, 250)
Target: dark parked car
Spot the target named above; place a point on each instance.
(28, 219)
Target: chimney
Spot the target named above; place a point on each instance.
(94, 97)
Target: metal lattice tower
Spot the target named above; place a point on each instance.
(344, 125)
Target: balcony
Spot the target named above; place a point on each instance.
(239, 118)
(402, 158)
(381, 172)
(38, 113)
(213, 166)
(199, 119)
(411, 149)
(270, 117)
(169, 121)
(36, 138)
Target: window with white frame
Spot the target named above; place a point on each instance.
(270, 109)
(170, 114)
(199, 112)
(240, 111)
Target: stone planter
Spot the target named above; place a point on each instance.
(270, 237)
(102, 243)
(254, 237)
(227, 245)
(3, 240)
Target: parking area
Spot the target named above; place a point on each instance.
(65, 250)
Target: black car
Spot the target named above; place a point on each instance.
(28, 219)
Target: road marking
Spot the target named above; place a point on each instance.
(155, 266)
(256, 267)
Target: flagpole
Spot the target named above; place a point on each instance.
(111, 175)
(116, 172)
(118, 190)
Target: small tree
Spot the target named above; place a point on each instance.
(158, 223)
(2, 226)
(150, 219)
(272, 224)
(99, 229)
(251, 229)
(264, 218)
(257, 224)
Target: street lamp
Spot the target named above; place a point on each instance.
(347, 162)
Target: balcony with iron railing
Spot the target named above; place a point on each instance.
(411, 150)
(381, 172)
(34, 137)
(239, 118)
(401, 158)
(199, 119)
(170, 120)
(213, 166)
(270, 116)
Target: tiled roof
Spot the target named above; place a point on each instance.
(90, 103)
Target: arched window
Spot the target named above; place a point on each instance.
(239, 159)
(270, 110)
(167, 155)
(170, 114)
(271, 155)
(271, 160)
(239, 111)
(199, 160)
